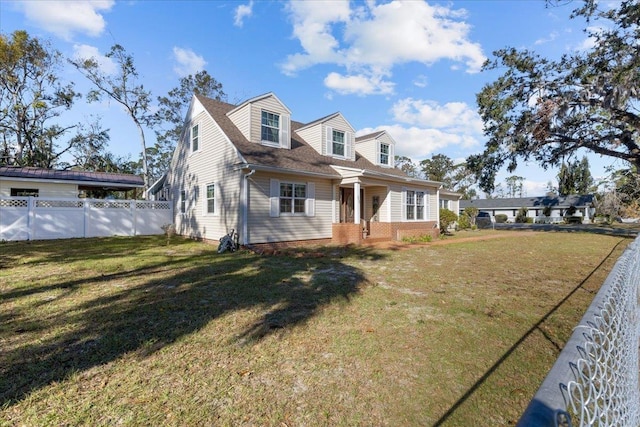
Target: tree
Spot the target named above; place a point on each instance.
(575, 178)
(406, 165)
(171, 115)
(454, 177)
(515, 186)
(123, 88)
(32, 101)
(545, 110)
(437, 167)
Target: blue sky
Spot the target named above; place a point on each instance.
(412, 68)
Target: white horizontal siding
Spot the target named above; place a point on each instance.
(269, 104)
(45, 189)
(191, 172)
(263, 228)
(242, 119)
(313, 136)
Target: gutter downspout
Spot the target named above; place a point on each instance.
(245, 207)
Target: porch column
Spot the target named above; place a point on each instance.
(356, 202)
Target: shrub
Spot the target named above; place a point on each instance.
(546, 211)
(472, 213)
(447, 218)
(464, 222)
(425, 238)
(501, 218)
(521, 217)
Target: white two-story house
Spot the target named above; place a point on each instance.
(251, 168)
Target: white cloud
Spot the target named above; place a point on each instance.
(425, 127)
(358, 84)
(371, 39)
(64, 18)
(188, 62)
(83, 51)
(551, 37)
(590, 41)
(421, 81)
(419, 143)
(242, 11)
(456, 116)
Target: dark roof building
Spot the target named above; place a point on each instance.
(556, 202)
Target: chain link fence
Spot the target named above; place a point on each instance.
(596, 379)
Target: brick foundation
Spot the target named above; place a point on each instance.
(344, 234)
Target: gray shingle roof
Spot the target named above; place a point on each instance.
(301, 157)
(529, 202)
(127, 180)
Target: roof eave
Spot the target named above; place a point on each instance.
(258, 167)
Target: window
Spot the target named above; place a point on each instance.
(444, 204)
(420, 205)
(270, 127)
(411, 203)
(194, 138)
(289, 198)
(292, 198)
(384, 154)
(24, 192)
(414, 206)
(337, 141)
(183, 201)
(211, 193)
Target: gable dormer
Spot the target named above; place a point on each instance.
(377, 147)
(264, 120)
(331, 136)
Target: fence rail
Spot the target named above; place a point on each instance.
(36, 218)
(595, 380)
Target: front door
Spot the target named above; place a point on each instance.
(346, 205)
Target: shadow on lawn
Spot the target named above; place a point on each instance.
(537, 327)
(153, 306)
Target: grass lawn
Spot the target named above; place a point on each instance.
(133, 331)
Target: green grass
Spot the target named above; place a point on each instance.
(132, 331)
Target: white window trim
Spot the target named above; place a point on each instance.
(274, 199)
(348, 143)
(183, 200)
(191, 150)
(390, 155)
(425, 204)
(216, 196)
(279, 128)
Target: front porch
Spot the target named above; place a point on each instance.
(367, 210)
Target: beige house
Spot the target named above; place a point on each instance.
(251, 168)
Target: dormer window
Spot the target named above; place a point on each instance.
(337, 142)
(384, 154)
(270, 127)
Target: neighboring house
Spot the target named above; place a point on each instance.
(27, 181)
(536, 206)
(249, 167)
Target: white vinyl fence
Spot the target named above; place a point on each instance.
(38, 218)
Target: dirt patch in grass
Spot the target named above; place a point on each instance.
(134, 332)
